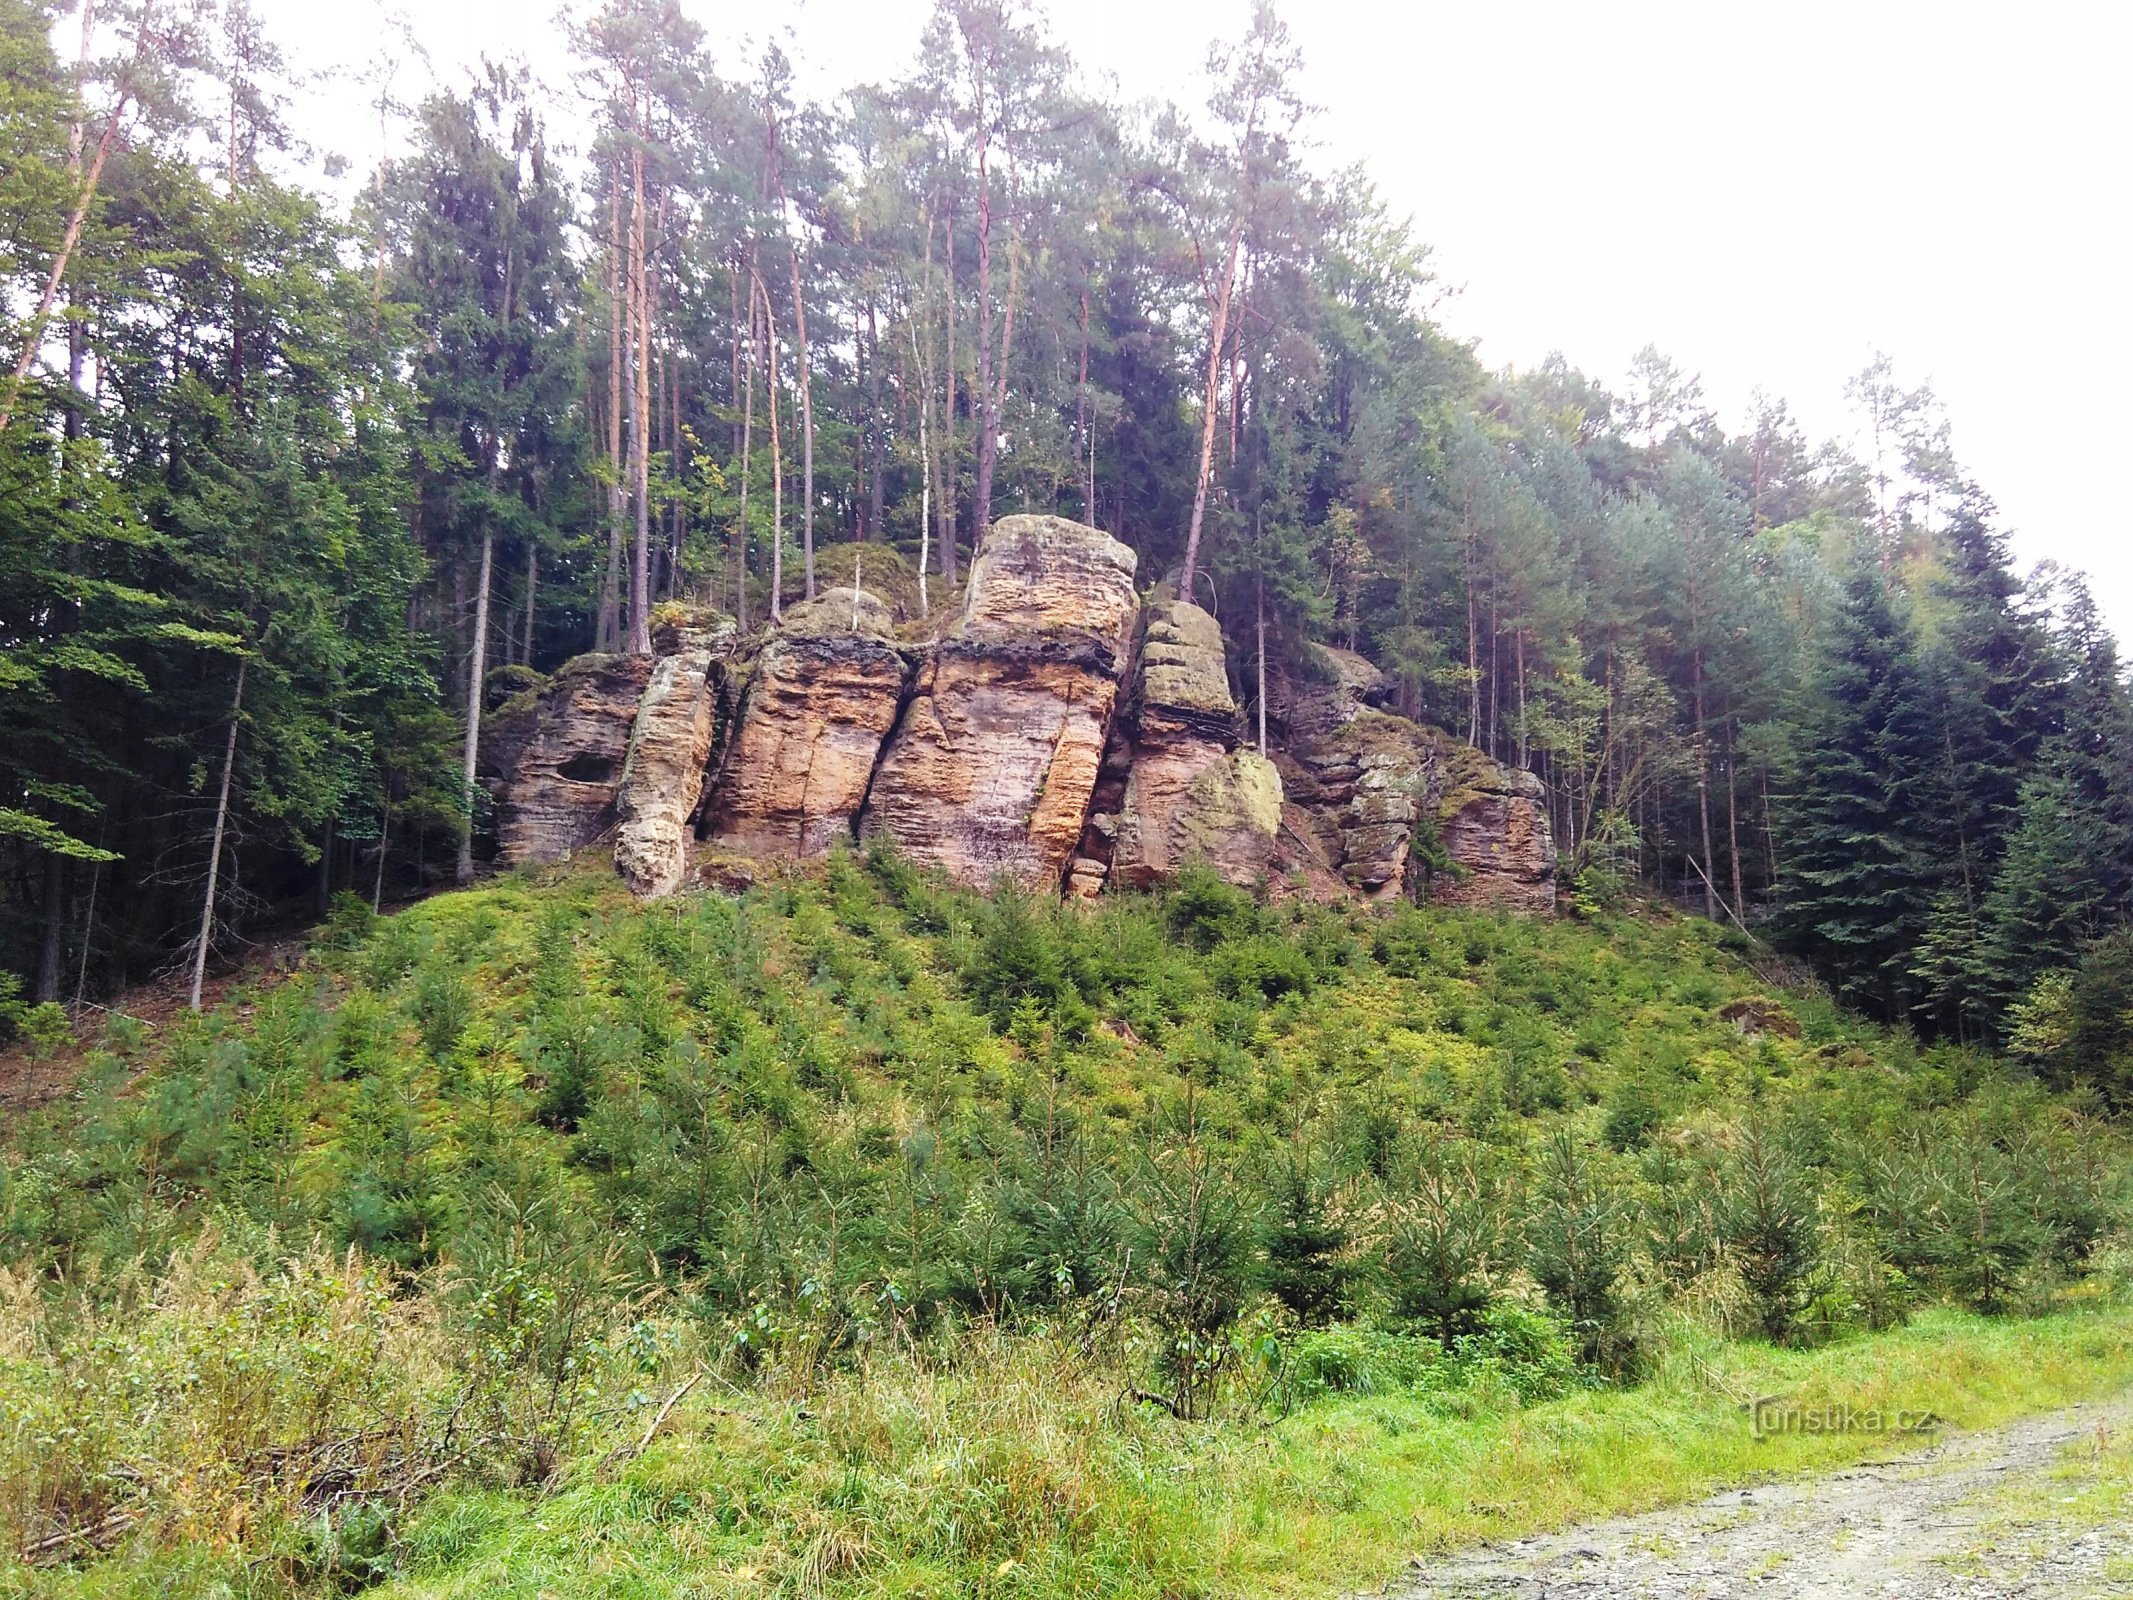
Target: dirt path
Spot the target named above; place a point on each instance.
(2020, 1513)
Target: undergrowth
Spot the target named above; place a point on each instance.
(866, 1235)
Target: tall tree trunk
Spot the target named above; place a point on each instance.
(1473, 645)
(1740, 900)
(385, 839)
(214, 853)
(1703, 788)
(640, 624)
(807, 398)
(988, 417)
(740, 532)
(52, 946)
(84, 197)
(1523, 749)
(609, 630)
(533, 583)
(477, 665)
(947, 509)
(1087, 463)
(1259, 630)
(777, 458)
(876, 431)
(925, 482)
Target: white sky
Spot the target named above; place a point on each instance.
(1768, 191)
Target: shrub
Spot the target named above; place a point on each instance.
(1445, 1243)
(1577, 1243)
(1768, 1221)
(1306, 1242)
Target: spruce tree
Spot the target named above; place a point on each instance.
(1865, 817)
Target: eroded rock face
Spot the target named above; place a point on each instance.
(1368, 784)
(560, 793)
(1493, 821)
(993, 766)
(1189, 791)
(823, 695)
(670, 746)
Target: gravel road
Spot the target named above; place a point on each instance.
(2019, 1513)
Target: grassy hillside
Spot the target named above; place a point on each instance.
(865, 1236)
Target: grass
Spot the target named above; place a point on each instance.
(1014, 1470)
(1016, 1474)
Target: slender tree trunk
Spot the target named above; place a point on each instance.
(777, 458)
(33, 336)
(1740, 900)
(214, 853)
(1087, 462)
(52, 947)
(988, 416)
(1473, 647)
(948, 572)
(477, 665)
(876, 430)
(609, 632)
(807, 399)
(533, 580)
(925, 451)
(733, 294)
(740, 532)
(640, 629)
(1703, 789)
(1259, 630)
(385, 837)
(88, 934)
(1523, 750)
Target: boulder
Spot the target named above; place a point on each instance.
(822, 696)
(566, 754)
(991, 770)
(1189, 792)
(670, 746)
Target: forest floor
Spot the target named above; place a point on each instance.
(2039, 1510)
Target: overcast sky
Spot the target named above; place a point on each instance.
(1769, 192)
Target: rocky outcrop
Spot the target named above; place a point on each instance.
(822, 696)
(669, 749)
(1493, 823)
(993, 766)
(1399, 809)
(1189, 792)
(1007, 745)
(567, 746)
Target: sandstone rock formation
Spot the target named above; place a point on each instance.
(993, 766)
(670, 746)
(1189, 792)
(559, 794)
(821, 698)
(1493, 823)
(1010, 749)
(1399, 809)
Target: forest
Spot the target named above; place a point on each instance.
(293, 492)
(377, 1219)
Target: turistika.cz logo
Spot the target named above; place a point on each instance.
(1767, 1417)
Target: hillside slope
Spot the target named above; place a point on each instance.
(860, 1176)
